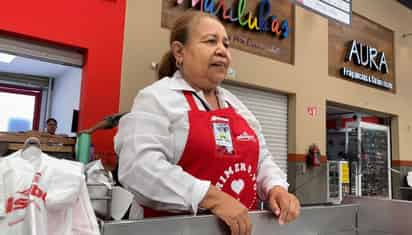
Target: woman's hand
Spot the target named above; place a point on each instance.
(283, 204)
(228, 209)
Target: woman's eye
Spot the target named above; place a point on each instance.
(226, 44)
(211, 41)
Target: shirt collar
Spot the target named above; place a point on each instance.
(178, 83)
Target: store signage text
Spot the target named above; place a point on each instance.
(368, 57)
(347, 72)
(254, 44)
(22, 200)
(263, 22)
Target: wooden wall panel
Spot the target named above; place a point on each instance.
(255, 42)
(364, 31)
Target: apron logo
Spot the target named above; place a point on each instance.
(237, 186)
(245, 137)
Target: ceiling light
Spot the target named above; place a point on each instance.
(6, 58)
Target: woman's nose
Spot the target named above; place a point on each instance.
(221, 50)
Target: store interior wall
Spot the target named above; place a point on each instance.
(307, 80)
(65, 99)
(94, 27)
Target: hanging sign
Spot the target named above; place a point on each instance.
(261, 27)
(339, 10)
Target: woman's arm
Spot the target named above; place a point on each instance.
(103, 124)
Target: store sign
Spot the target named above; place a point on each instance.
(370, 58)
(261, 27)
(362, 52)
(262, 22)
(339, 10)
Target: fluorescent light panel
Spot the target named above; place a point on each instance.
(6, 58)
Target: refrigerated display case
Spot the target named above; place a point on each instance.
(366, 149)
(338, 181)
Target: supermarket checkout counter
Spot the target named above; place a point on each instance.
(360, 216)
(57, 146)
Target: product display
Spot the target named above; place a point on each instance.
(374, 165)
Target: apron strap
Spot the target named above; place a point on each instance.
(191, 101)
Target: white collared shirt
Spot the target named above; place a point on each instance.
(151, 139)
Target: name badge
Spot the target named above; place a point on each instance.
(222, 134)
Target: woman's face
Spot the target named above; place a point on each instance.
(206, 56)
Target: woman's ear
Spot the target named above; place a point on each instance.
(177, 51)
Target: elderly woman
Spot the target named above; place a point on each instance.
(190, 145)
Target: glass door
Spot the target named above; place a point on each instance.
(369, 154)
(375, 168)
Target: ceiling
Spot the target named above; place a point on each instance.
(23, 65)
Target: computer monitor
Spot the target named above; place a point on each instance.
(75, 120)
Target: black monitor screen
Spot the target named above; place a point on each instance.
(75, 120)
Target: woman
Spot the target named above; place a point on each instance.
(190, 144)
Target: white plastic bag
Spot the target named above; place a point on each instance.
(25, 194)
(96, 174)
(64, 209)
(121, 200)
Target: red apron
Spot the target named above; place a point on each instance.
(232, 168)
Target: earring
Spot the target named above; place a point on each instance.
(179, 64)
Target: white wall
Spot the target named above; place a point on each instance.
(65, 98)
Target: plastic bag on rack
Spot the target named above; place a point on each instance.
(24, 205)
(44, 196)
(96, 174)
(100, 184)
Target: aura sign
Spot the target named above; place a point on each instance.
(262, 22)
(370, 58)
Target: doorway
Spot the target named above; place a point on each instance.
(359, 153)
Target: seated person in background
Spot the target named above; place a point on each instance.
(108, 122)
(51, 127)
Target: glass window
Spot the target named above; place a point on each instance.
(18, 110)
